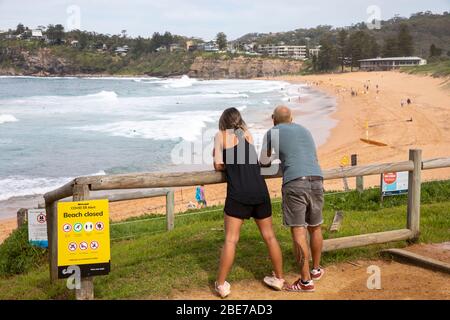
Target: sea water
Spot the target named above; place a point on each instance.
(55, 129)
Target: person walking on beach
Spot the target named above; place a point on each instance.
(247, 197)
(200, 196)
(302, 192)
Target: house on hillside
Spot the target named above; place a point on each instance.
(210, 46)
(122, 50)
(314, 51)
(283, 51)
(384, 64)
(36, 34)
(161, 49)
(175, 47)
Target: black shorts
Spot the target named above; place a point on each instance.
(239, 210)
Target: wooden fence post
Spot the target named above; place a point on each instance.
(52, 235)
(22, 217)
(170, 210)
(86, 291)
(359, 179)
(414, 189)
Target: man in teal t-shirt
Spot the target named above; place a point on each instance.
(302, 191)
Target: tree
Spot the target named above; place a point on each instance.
(155, 42)
(159, 40)
(167, 39)
(435, 51)
(19, 29)
(342, 46)
(361, 46)
(139, 47)
(390, 48)
(405, 41)
(55, 33)
(82, 38)
(222, 40)
(374, 48)
(327, 59)
(314, 62)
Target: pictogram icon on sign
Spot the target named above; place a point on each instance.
(99, 226)
(67, 227)
(78, 227)
(94, 245)
(72, 246)
(41, 218)
(84, 246)
(88, 227)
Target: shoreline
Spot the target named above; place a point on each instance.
(429, 131)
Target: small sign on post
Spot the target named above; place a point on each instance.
(83, 238)
(37, 228)
(394, 183)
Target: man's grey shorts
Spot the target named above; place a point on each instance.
(303, 203)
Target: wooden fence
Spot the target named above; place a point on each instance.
(80, 188)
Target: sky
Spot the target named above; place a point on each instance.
(204, 18)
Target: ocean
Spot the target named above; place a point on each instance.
(55, 129)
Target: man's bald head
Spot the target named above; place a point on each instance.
(282, 114)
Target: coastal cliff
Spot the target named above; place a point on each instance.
(66, 62)
(242, 67)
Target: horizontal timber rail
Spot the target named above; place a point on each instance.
(185, 179)
(142, 194)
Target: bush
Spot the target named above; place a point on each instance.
(17, 255)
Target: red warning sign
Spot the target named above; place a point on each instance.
(390, 178)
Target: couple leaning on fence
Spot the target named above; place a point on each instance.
(248, 196)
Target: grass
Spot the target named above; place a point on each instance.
(149, 263)
(439, 68)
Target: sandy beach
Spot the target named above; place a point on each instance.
(424, 124)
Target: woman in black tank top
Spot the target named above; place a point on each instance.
(247, 195)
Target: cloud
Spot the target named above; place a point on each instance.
(204, 18)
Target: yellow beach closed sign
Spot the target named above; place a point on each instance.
(83, 237)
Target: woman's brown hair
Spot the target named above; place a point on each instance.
(231, 119)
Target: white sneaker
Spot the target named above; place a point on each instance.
(223, 290)
(274, 282)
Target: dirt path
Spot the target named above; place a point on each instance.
(348, 282)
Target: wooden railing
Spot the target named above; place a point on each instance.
(80, 188)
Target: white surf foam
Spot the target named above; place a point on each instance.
(5, 118)
(20, 186)
(106, 95)
(181, 125)
(183, 82)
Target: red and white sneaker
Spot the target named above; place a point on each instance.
(317, 274)
(299, 286)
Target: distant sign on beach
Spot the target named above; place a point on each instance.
(394, 183)
(83, 237)
(37, 228)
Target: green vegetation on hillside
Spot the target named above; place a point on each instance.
(440, 68)
(149, 263)
(427, 28)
